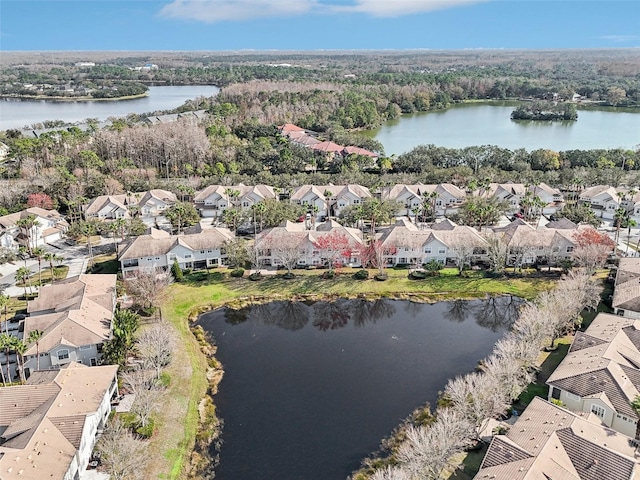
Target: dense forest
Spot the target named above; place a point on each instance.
(239, 140)
(608, 76)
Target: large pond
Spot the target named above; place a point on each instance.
(471, 124)
(310, 390)
(19, 113)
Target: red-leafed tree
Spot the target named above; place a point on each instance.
(333, 247)
(592, 248)
(41, 200)
(373, 254)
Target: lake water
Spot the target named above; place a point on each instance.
(470, 124)
(19, 113)
(310, 390)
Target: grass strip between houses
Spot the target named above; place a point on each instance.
(179, 418)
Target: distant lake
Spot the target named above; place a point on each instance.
(468, 124)
(310, 390)
(19, 113)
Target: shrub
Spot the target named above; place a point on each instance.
(288, 276)
(361, 275)
(381, 277)
(328, 275)
(418, 275)
(401, 266)
(254, 277)
(433, 267)
(237, 272)
(147, 430)
(165, 379)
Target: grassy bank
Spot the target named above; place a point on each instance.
(85, 98)
(178, 421)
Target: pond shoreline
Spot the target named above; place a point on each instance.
(58, 99)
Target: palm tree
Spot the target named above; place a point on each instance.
(327, 200)
(51, 257)
(22, 275)
(6, 344)
(20, 347)
(416, 211)
(89, 229)
(4, 300)
(27, 224)
(630, 224)
(39, 253)
(618, 219)
(34, 337)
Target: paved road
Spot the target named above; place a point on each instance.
(75, 257)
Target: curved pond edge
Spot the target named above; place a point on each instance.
(202, 463)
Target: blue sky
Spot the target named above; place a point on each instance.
(316, 24)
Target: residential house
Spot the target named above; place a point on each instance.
(49, 426)
(548, 442)
(626, 293)
(153, 204)
(75, 317)
(215, 199)
(110, 207)
(342, 196)
(328, 148)
(529, 245)
(158, 250)
(49, 227)
(600, 376)
(310, 253)
(445, 242)
(604, 200)
(408, 196)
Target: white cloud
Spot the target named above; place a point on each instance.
(398, 8)
(621, 38)
(212, 11)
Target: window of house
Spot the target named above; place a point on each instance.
(598, 410)
(188, 255)
(93, 362)
(63, 354)
(85, 347)
(555, 393)
(442, 250)
(157, 258)
(202, 252)
(569, 248)
(356, 201)
(427, 250)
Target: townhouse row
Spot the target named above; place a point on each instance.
(49, 425)
(404, 243)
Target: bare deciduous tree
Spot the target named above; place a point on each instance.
(148, 287)
(155, 346)
(123, 454)
(427, 449)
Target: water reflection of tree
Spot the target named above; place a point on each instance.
(413, 309)
(330, 315)
(459, 310)
(289, 315)
(235, 316)
(498, 313)
(364, 311)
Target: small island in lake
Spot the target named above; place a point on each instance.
(541, 110)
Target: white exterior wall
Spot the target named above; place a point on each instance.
(610, 418)
(627, 313)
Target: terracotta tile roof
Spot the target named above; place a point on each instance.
(548, 442)
(327, 146)
(360, 151)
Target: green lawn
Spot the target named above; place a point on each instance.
(218, 287)
(203, 290)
